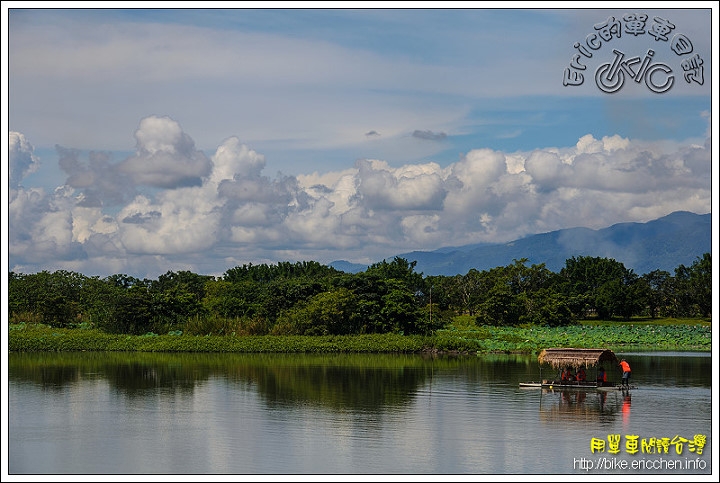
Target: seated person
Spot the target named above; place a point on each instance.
(581, 376)
(567, 375)
(601, 376)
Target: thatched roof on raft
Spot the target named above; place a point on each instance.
(560, 358)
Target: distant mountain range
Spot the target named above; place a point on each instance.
(663, 244)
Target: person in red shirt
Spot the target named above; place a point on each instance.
(601, 376)
(626, 373)
(567, 375)
(581, 376)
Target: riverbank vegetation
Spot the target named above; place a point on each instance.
(460, 337)
(389, 307)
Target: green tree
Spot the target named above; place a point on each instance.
(184, 282)
(285, 293)
(701, 284)
(56, 297)
(657, 283)
(595, 283)
(130, 312)
(400, 312)
(390, 297)
(693, 289)
(501, 306)
(549, 308)
(125, 281)
(622, 297)
(327, 313)
(462, 293)
(235, 299)
(518, 294)
(267, 273)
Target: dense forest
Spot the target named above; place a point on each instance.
(308, 298)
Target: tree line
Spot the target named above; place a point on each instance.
(308, 298)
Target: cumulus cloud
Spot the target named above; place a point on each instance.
(100, 181)
(175, 208)
(41, 227)
(165, 156)
(235, 158)
(406, 188)
(177, 221)
(22, 160)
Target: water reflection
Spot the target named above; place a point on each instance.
(89, 413)
(331, 380)
(627, 400)
(367, 382)
(558, 406)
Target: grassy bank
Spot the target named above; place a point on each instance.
(462, 336)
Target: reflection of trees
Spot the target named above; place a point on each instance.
(53, 378)
(39, 368)
(132, 374)
(136, 378)
(357, 381)
(363, 388)
(366, 382)
(339, 381)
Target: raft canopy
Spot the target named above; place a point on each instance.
(559, 358)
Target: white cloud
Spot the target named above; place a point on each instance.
(100, 180)
(40, 226)
(407, 188)
(22, 159)
(547, 169)
(234, 158)
(166, 157)
(179, 221)
(365, 213)
(25, 210)
(91, 221)
(423, 117)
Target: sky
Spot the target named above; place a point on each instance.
(147, 140)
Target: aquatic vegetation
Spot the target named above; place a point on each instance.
(482, 339)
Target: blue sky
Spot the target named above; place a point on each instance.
(148, 140)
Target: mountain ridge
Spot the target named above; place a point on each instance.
(661, 244)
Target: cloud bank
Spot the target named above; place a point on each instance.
(169, 206)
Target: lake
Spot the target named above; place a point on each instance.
(367, 414)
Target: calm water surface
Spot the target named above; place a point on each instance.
(109, 413)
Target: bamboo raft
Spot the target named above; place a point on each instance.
(562, 358)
